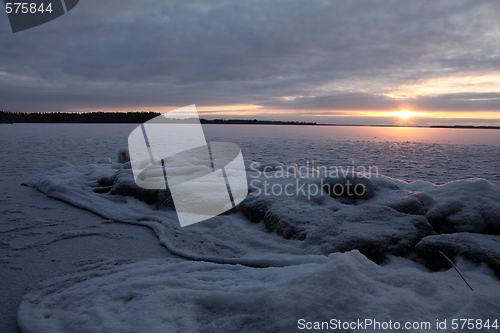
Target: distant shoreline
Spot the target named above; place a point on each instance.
(141, 117)
(265, 122)
(120, 118)
(431, 126)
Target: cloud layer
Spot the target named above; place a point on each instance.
(310, 56)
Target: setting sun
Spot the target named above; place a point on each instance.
(406, 114)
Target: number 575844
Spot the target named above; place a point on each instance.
(25, 8)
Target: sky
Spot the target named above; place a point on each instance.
(335, 61)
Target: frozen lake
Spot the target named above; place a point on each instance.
(81, 272)
(430, 154)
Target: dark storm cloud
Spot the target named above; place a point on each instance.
(329, 55)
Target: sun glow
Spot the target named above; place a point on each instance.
(406, 114)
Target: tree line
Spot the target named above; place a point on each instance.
(71, 117)
(120, 118)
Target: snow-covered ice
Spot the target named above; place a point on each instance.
(185, 296)
(307, 255)
(309, 222)
(275, 259)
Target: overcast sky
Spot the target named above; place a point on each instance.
(343, 61)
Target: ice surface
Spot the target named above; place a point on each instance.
(183, 296)
(436, 155)
(41, 238)
(305, 279)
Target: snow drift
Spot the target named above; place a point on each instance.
(289, 217)
(184, 296)
(297, 246)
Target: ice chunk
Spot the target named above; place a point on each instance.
(123, 156)
(473, 247)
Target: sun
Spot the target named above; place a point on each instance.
(406, 114)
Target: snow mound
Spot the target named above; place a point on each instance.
(476, 248)
(375, 230)
(471, 205)
(183, 296)
(224, 239)
(291, 216)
